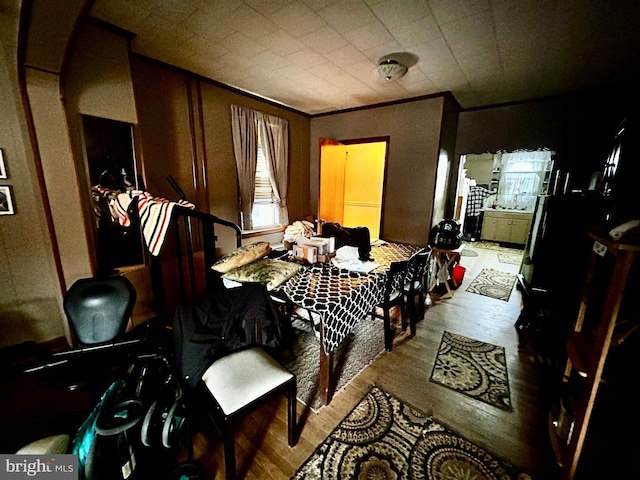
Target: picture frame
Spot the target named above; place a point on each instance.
(3, 168)
(6, 201)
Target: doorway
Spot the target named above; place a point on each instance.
(508, 182)
(352, 177)
(112, 168)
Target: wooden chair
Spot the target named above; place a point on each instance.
(393, 296)
(414, 286)
(240, 382)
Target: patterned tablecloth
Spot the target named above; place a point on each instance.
(342, 297)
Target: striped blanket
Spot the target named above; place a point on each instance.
(154, 214)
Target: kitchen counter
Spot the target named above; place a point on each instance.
(508, 210)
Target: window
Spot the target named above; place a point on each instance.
(265, 209)
(261, 149)
(522, 178)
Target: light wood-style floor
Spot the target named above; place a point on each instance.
(520, 436)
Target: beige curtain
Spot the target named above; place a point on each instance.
(275, 144)
(245, 148)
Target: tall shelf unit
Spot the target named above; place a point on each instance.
(589, 343)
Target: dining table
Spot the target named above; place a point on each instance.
(340, 298)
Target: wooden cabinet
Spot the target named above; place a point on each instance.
(503, 226)
(588, 345)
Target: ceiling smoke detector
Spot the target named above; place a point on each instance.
(391, 69)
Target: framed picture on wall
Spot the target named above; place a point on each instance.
(3, 168)
(6, 202)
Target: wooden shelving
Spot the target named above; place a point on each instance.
(587, 349)
(556, 445)
(579, 348)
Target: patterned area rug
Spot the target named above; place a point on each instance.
(496, 246)
(493, 283)
(508, 257)
(466, 252)
(385, 439)
(359, 349)
(474, 368)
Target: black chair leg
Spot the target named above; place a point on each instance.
(388, 334)
(292, 413)
(413, 320)
(421, 300)
(229, 452)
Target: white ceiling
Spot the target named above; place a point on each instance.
(319, 56)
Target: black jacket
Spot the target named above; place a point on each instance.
(226, 321)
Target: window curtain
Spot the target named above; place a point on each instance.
(244, 131)
(274, 133)
(523, 172)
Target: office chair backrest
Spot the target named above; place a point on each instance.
(98, 309)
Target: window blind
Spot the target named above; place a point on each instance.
(263, 191)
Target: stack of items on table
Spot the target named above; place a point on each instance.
(305, 245)
(314, 249)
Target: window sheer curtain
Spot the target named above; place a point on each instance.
(523, 173)
(275, 144)
(274, 132)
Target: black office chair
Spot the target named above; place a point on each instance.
(393, 296)
(414, 286)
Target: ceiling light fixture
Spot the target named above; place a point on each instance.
(391, 69)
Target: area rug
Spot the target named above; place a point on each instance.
(360, 348)
(511, 258)
(466, 252)
(384, 438)
(493, 283)
(477, 369)
(486, 245)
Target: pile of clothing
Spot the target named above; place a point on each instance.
(299, 228)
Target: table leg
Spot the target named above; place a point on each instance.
(443, 262)
(326, 369)
(434, 280)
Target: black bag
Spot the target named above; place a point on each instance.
(353, 236)
(447, 234)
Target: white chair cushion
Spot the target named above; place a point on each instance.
(47, 446)
(239, 378)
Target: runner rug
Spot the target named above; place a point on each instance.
(384, 438)
(493, 283)
(477, 369)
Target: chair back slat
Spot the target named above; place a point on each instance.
(417, 269)
(395, 278)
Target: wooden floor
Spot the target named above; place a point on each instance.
(520, 436)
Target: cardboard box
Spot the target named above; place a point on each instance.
(306, 253)
(329, 241)
(326, 258)
(322, 244)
